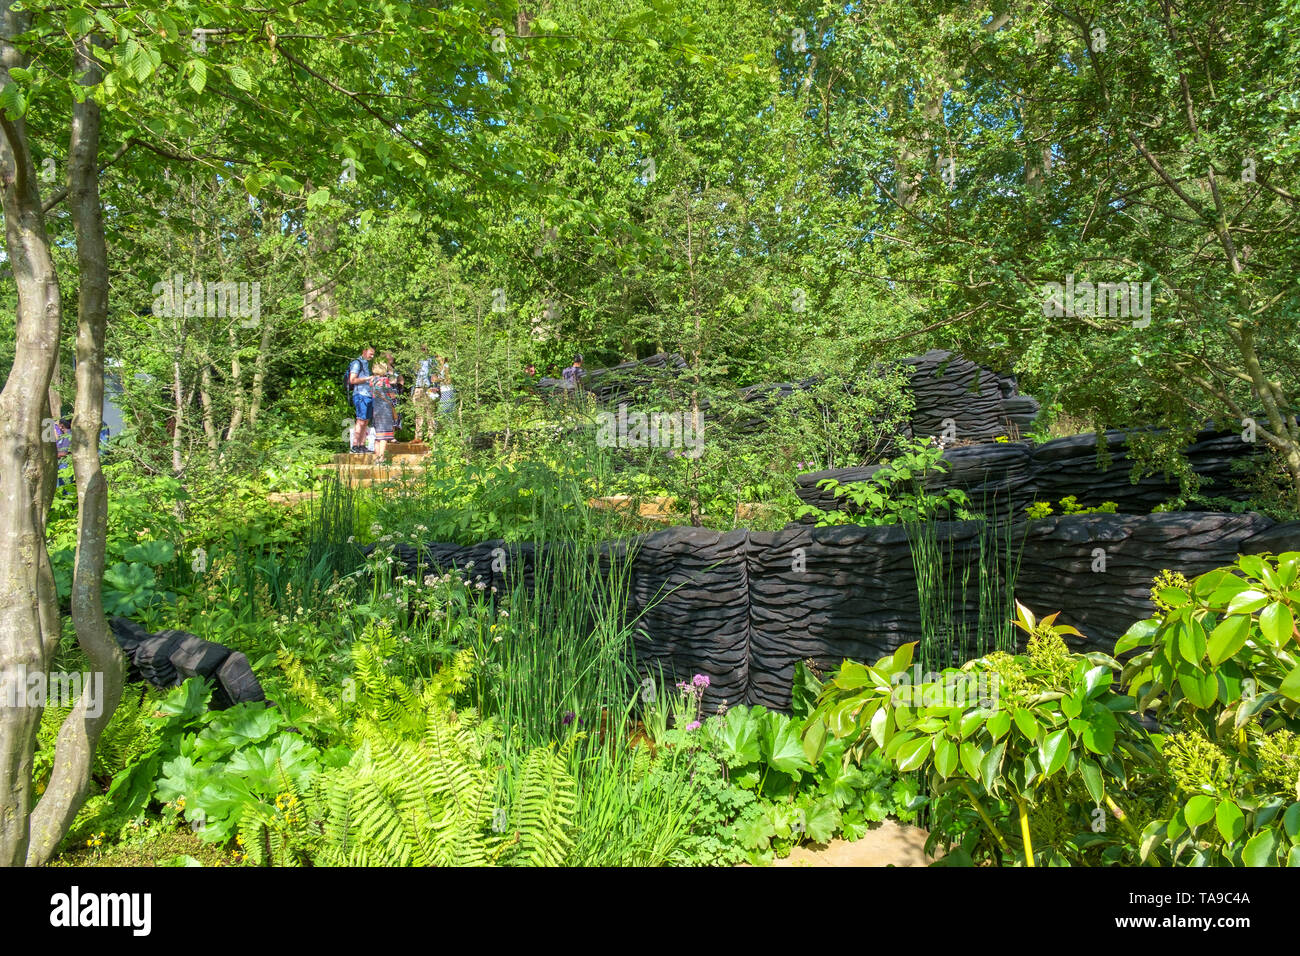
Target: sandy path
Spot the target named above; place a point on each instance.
(889, 844)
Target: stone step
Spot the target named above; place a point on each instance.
(350, 473)
(395, 448)
(389, 455)
(370, 461)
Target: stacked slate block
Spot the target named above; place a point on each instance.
(168, 658)
(744, 607)
(1010, 476)
(954, 397)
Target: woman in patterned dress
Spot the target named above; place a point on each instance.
(384, 397)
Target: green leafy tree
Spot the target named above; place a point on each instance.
(1134, 142)
(317, 92)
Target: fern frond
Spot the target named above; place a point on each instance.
(548, 797)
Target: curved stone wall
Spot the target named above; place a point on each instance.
(744, 607)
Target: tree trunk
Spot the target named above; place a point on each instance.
(259, 373)
(178, 414)
(912, 150)
(205, 403)
(236, 379)
(1284, 435)
(697, 356)
(28, 605)
(99, 697)
(318, 301)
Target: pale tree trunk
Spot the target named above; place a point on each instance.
(259, 373)
(1038, 149)
(237, 379)
(205, 402)
(178, 415)
(697, 356)
(79, 735)
(29, 629)
(318, 299)
(910, 176)
(1283, 431)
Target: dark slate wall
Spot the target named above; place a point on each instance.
(979, 403)
(744, 607)
(610, 384)
(1015, 474)
(691, 594)
(1097, 569)
(825, 594)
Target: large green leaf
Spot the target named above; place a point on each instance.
(1199, 809)
(804, 692)
(1053, 751)
(1276, 623)
(902, 658)
(151, 552)
(259, 767)
(1191, 641)
(845, 785)
(1173, 597)
(990, 765)
(1291, 822)
(1099, 731)
(1230, 821)
(1218, 586)
(1290, 686)
(236, 728)
(1199, 688)
(782, 747)
(880, 726)
(737, 737)
(1247, 602)
(945, 756)
(1261, 849)
(756, 832)
(1026, 723)
(822, 820)
(1228, 637)
(814, 739)
(1097, 679)
(1137, 635)
(912, 754)
(1092, 780)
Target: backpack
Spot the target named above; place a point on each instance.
(347, 374)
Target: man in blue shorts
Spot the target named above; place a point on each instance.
(362, 399)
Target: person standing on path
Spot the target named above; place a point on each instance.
(397, 385)
(422, 396)
(447, 393)
(383, 394)
(362, 398)
(572, 381)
